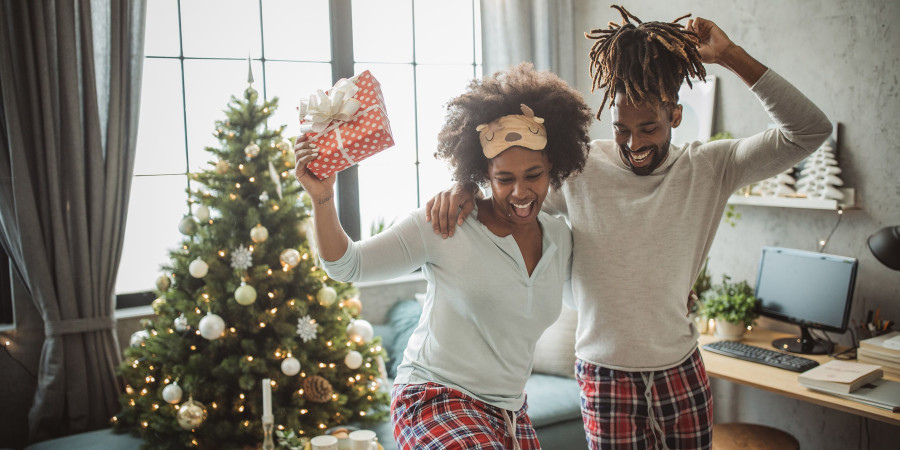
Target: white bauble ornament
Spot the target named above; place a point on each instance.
(191, 414)
(157, 304)
(198, 268)
(245, 294)
(326, 296)
(259, 233)
(251, 150)
(202, 213)
(290, 257)
(290, 366)
(353, 359)
(163, 283)
(211, 326)
(361, 330)
(222, 167)
(138, 338)
(172, 393)
(187, 226)
(181, 324)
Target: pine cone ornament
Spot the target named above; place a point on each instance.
(317, 389)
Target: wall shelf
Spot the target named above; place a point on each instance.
(849, 201)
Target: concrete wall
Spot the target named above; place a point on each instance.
(844, 56)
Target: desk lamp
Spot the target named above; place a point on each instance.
(885, 245)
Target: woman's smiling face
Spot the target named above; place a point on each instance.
(520, 180)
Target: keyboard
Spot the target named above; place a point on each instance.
(761, 355)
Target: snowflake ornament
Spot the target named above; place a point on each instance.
(306, 328)
(241, 258)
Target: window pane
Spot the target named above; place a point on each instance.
(291, 82)
(221, 28)
(297, 30)
(444, 31)
(477, 20)
(209, 86)
(382, 30)
(161, 34)
(435, 86)
(155, 208)
(387, 181)
(160, 143)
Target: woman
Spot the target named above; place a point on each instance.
(494, 288)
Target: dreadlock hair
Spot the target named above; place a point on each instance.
(567, 119)
(647, 61)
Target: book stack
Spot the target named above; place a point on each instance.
(840, 377)
(882, 350)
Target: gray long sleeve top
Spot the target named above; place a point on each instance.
(483, 312)
(640, 241)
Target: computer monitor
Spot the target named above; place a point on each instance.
(809, 289)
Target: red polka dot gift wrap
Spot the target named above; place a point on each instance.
(348, 124)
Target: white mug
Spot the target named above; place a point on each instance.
(363, 440)
(325, 442)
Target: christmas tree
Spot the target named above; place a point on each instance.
(242, 301)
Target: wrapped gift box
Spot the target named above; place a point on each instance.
(348, 124)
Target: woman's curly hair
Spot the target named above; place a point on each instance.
(567, 119)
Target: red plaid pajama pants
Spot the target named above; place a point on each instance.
(646, 410)
(431, 416)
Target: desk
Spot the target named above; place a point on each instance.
(782, 381)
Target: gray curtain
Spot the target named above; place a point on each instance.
(538, 31)
(70, 73)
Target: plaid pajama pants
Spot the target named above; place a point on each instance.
(431, 416)
(670, 409)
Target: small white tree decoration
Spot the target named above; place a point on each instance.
(777, 186)
(819, 178)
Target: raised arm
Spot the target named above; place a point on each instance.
(331, 239)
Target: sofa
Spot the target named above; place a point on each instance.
(552, 392)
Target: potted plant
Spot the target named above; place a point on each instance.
(732, 305)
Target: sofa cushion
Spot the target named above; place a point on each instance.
(552, 399)
(554, 353)
(403, 318)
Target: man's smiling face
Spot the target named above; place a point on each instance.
(643, 133)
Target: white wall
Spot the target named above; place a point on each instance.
(844, 56)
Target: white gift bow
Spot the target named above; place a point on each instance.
(322, 109)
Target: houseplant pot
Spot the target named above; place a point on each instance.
(732, 305)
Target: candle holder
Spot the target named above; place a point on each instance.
(268, 423)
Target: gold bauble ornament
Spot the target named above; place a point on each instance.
(251, 150)
(222, 167)
(245, 294)
(290, 257)
(158, 304)
(353, 305)
(259, 233)
(191, 414)
(326, 296)
(163, 283)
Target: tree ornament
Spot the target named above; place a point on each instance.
(251, 150)
(290, 257)
(222, 167)
(211, 326)
(158, 304)
(259, 233)
(245, 294)
(191, 414)
(198, 268)
(202, 213)
(138, 337)
(317, 389)
(353, 305)
(264, 197)
(283, 147)
(163, 283)
(306, 328)
(361, 330)
(181, 324)
(172, 393)
(326, 296)
(290, 366)
(353, 360)
(187, 226)
(241, 258)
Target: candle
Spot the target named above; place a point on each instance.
(267, 397)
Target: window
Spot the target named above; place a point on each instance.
(423, 53)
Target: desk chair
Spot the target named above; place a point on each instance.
(747, 436)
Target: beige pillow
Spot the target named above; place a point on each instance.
(554, 353)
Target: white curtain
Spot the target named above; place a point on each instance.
(537, 31)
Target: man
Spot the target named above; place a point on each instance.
(644, 214)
